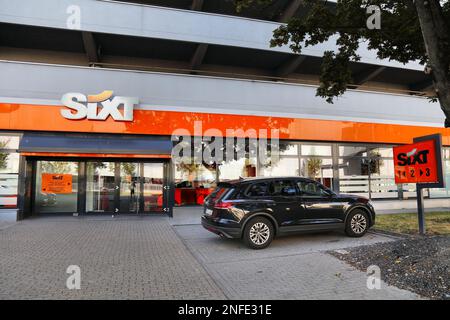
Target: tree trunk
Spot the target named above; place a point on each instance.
(435, 32)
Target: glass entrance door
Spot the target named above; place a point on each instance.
(153, 187)
(124, 187)
(56, 187)
(101, 187)
(130, 187)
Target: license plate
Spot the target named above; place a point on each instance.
(208, 212)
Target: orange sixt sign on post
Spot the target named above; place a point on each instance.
(420, 162)
(416, 163)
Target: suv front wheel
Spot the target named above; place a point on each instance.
(258, 233)
(357, 223)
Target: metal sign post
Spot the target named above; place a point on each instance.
(420, 210)
(420, 163)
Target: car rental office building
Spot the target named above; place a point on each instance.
(91, 92)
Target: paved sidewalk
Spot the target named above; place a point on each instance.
(294, 267)
(150, 258)
(8, 218)
(119, 259)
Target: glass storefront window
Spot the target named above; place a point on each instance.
(315, 150)
(9, 162)
(194, 175)
(367, 171)
(382, 181)
(352, 151)
(446, 153)
(236, 169)
(288, 149)
(353, 176)
(381, 152)
(443, 192)
(409, 191)
(56, 187)
(9, 170)
(319, 169)
(9, 178)
(282, 168)
(9, 142)
(193, 182)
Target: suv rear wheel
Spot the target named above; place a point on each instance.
(258, 233)
(357, 223)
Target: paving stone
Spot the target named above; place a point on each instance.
(119, 259)
(294, 267)
(152, 258)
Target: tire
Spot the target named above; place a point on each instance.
(258, 233)
(357, 223)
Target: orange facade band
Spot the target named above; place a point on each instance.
(48, 118)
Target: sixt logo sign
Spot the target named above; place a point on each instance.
(413, 157)
(98, 107)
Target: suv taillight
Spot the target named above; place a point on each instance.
(223, 205)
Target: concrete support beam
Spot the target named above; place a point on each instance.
(367, 75)
(290, 10)
(289, 66)
(90, 47)
(197, 5)
(198, 56)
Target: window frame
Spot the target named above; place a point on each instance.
(325, 192)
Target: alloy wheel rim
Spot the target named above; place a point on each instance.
(358, 223)
(259, 233)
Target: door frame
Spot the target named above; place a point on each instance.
(27, 199)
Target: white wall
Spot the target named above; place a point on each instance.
(35, 83)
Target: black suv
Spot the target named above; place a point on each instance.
(257, 209)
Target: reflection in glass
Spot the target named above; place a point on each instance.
(130, 187)
(192, 175)
(52, 197)
(443, 192)
(354, 176)
(367, 171)
(352, 151)
(100, 187)
(236, 169)
(315, 150)
(319, 169)
(285, 167)
(381, 152)
(288, 148)
(193, 182)
(153, 186)
(382, 181)
(9, 178)
(9, 142)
